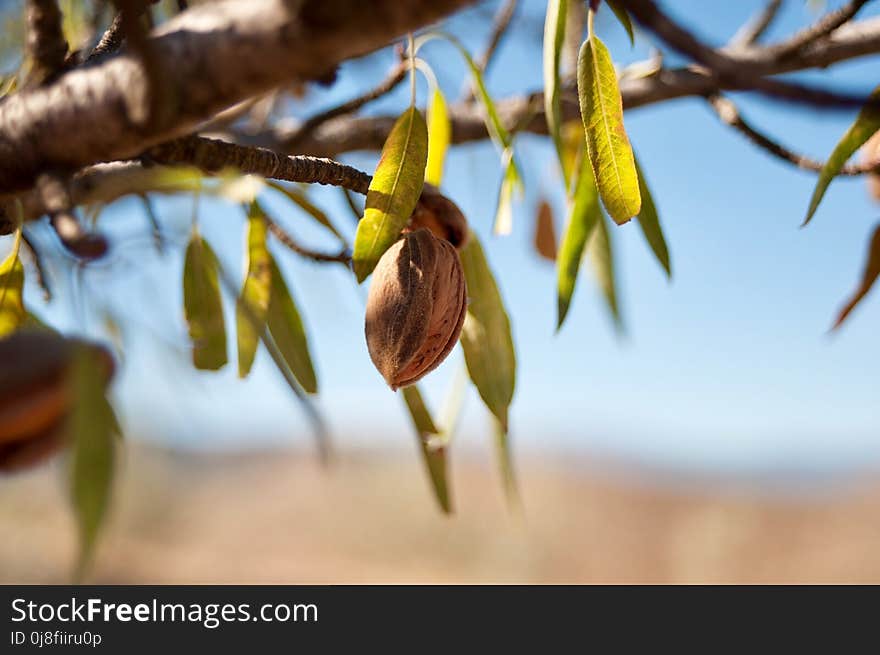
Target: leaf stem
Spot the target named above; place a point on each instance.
(412, 71)
(591, 16)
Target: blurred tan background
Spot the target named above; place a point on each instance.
(278, 517)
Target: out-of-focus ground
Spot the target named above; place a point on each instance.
(280, 518)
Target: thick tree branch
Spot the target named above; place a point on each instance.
(213, 56)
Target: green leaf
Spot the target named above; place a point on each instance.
(509, 183)
(583, 216)
(393, 192)
(649, 221)
(505, 465)
(12, 311)
(600, 251)
(286, 328)
(869, 277)
(865, 125)
(624, 19)
(303, 203)
(439, 134)
(486, 337)
(554, 36)
(91, 428)
(252, 306)
(434, 456)
(607, 144)
(203, 306)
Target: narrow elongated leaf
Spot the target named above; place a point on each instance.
(865, 125)
(434, 456)
(649, 221)
(252, 306)
(12, 311)
(607, 144)
(600, 251)
(303, 203)
(510, 182)
(203, 306)
(624, 19)
(869, 277)
(393, 192)
(583, 216)
(486, 337)
(439, 134)
(92, 429)
(286, 328)
(554, 36)
(545, 232)
(505, 465)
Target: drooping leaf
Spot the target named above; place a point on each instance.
(865, 125)
(505, 465)
(869, 276)
(583, 215)
(510, 182)
(434, 455)
(203, 306)
(649, 221)
(286, 328)
(486, 337)
(624, 19)
(393, 192)
(252, 306)
(439, 134)
(12, 311)
(92, 429)
(600, 251)
(303, 203)
(554, 36)
(607, 144)
(545, 232)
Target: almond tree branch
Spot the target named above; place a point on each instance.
(822, 28)
(46, 44)
(284, 237)
(499, 28)
(753, 30)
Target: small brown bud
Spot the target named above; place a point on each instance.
(415, 308)
(437, 213)
(871, 155)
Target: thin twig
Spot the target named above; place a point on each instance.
(754, 29)
(46, 44)
(729, 114)
(56, 199)
(499, 28)
(822, 28)
(39, 269)
(150, 212)
(287, 240)
(110, 41)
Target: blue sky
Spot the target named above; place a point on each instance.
(728, 367)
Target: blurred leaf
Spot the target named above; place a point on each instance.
(393, 192)
(607, 144)
(92, 428)
(869, 276)
(554, 36)
(434, 456)
(865, 125)
(649, 221)
(203, 306)
(300, 200)
(583, 216)
(572, 148)
(235, 187)
(600, 251)
(510, 182)
(286, 328)
(486, 337)
(12, 311)
(252, 306)
(439, 134)
(545, 232)
(624, 19)
(505, 465)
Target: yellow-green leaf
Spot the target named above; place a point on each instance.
(433, 455)
(607, 144)
(486, 337)
(865, 125)
(554, 36)
(91, 429)
(649, 221)
(510, 182)
(203, 306)
(505, 465)
(286, 328)
(439, 134)
(393, 192)
(252, 306)
(600, 251)
(624, 19)
(869, 277)
(12, 311)
(583, 216)
(305, 204)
